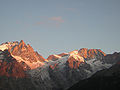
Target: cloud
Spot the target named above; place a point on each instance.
(58, 19)
(55, 21)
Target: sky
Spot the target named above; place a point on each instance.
(57, 26)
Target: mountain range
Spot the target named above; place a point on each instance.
(22, 68)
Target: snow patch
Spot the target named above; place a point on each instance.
(3, 47)
(77, 57)
(97, 65)
(7, 45)
(57, 56)
(73, 52)
(32, 65)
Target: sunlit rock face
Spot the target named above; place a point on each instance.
(75, 60)
(24, 54)
(77, 57)
(56, 57)
(8, 45)
(91, 53)
(10, 67)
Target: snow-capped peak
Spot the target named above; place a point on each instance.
(3, 47)
(73, 52)
(77, 57)
(8, 45)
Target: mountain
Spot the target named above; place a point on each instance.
(107, 79)
(24, 54)
(22, 68)
(91, 53)
(16, 58)
(64, 70)
(9, 66)
(55, 57)
(103, 79)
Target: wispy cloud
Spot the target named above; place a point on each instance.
(55, 21)
(58, 19)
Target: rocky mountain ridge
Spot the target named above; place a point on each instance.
(57, 72)
(107, 79)
(24, 53)
(10, 67)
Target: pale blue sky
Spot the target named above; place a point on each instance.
(56, 26)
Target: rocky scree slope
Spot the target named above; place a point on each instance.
(64, 70)
(107, 79)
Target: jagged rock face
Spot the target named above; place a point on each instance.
(77, 57)
(75, 60)
(40, 58)
(8, 45)
(26, 55)
(91, 53)
(26, 52)
(53, 57)
(56, 57)
(10, 67)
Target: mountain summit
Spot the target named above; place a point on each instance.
(91, 53)
(23, 54)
